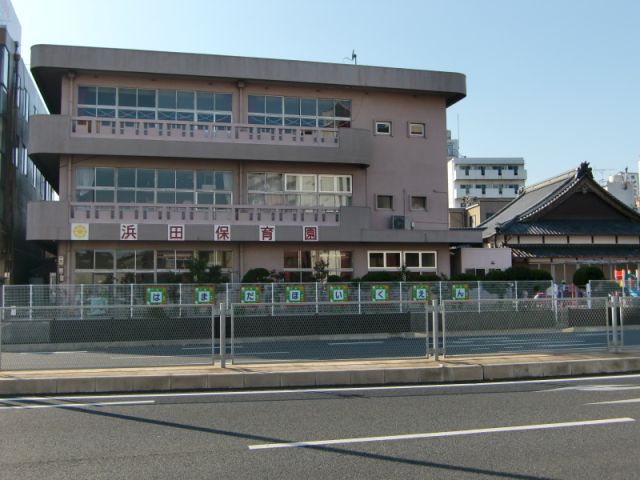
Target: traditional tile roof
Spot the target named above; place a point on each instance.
(576, 251)
(525, 214)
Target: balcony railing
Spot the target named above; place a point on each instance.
(202, 132)
(201, 214)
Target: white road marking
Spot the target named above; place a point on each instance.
(336, 389)
(453, 433)
(599, 388)
(613, 402)
(76, 405)
(51, 353)
(355, 343)
(263, 353)
(141, 356)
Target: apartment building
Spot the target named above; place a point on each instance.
(20, 180)
(161, 157)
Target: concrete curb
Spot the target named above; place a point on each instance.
(376, 375)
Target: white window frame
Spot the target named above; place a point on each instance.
(384, 253)
(380, 123)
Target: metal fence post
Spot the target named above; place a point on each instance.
(400, 297)
(426, 329)
(479, 294)
(131, 301)
(614, 321)
(516, 293)
(213, 334)
(30, 302)
(436, 340)
(226, 301)
(317, 308)
(623, 305)
(359, 300)
(81, 301)
(223, 336)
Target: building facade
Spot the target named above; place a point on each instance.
(20, 179)
(567, 222)
(162, 157)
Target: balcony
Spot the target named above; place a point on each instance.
(201, 214)
(53, 135)
(489, 174)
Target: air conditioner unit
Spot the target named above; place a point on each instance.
(400, 222)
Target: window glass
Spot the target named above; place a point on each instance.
(145, 196)
(146, 98)
(292, 182)
(327, 184)
(291, 259)
(376, 259)
(166, 197)
(166, 99)
(418, 203)
(274, 182)
(185, 100)
(204, 198)
(184, 116)
(204, 100)
(84, 259)
(184, 179)
(384, 201)
(184, 197)
(256, 104)
(204, 180)
(325, 107)
(165, 259)
(305, 259)
(166, 179)
(292, 105)
(225, 259)
(126, 177)
(146, 178)
(223, 199)
(105, 177)
(127, 97)
(84, 177)
(345, 259)
(343, 108)
(393, 259)
(308, 183)
(223, 181)
(144, 259)
(126, 196)
(105, 196)
(308, 106)
(104, 260)
(383, 128)
(273, 105)
(84, 196)
(256, 181)
(106, 96)
(87, 95)
(412, 259)
(223, 102)
(429, 259)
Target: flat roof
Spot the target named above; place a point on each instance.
(49, 63)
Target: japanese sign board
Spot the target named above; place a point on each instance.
(175, 233)
(295, 294)
(338, 293)
(128, 231)
(460, 292)
(204, 295)
(380, 293)
(420, 293)
(250, 294)
(79, 231)
(267, 233)
(156, 296)
(310, 233)
(222, 233)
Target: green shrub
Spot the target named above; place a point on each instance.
(334, 278)
(463, 277)
(380, 277)
(584, 274)
(257, 275)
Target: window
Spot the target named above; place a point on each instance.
(299, 112)
(414, 261)
(307, 190)
(482, 171)
(383, 128)
(384, 202)
(418, 203)
(141, 185)
(416, 129)
(142, 266)
(298, 264)
(149, 104)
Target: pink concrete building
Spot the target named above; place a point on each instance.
(160, 157)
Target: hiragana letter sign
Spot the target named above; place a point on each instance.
(295, 294)
(420, 293)
(460, 292)
(156, 296)
(250, 294)
(379, 293)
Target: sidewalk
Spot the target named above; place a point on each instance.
(317, 374)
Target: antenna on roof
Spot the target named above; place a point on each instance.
(354, 57)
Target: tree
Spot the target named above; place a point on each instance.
(257, 275)
(320, 271)
(201, 272)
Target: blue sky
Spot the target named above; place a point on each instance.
(553, 81)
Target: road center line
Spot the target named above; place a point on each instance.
(77, 405)
(453, 433)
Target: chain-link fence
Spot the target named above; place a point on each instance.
(107, 336)
(525, 326)
(328, 331)
(305, 322)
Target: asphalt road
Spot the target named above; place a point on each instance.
(287, 350)
(554, 429)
